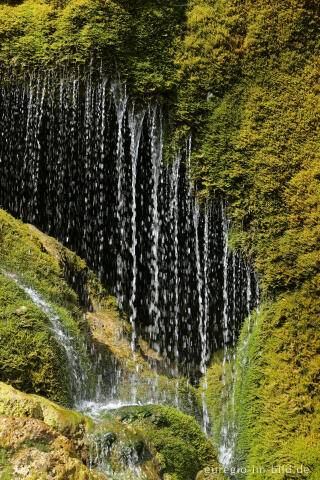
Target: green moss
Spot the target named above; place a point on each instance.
(30, 358)
(277, 391)
(42, 447)
(276, 407)
(33, 450)
(218, 393)
(249, 94)
(3, 458)
(14, 403)
(6, 474)
(22, 251)
(176, 437)
(38, 33)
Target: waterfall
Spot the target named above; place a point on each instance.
(225, 277)
(85, 164)
(251, 300)
(196, 215)
(120, 100)
(206, 320)
(156, 160)
(135, 124)
(175, 216)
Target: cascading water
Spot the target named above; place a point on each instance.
(135, 121)
(120, 101)
(175, 215)
(82, 162)
(228, 434)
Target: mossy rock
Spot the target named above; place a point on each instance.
(26, 253)
(30, 357)
(39, 422)
(218, 393)
(176, 439)
(122, 451)
(275, 393)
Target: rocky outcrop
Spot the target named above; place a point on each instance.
(32, 450)
(68, 423)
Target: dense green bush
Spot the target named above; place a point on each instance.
(136, 38)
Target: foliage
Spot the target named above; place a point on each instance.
(277, 388)
(249, 74)
(246, 75)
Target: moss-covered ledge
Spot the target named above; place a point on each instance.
(39, 439)
(152, 442)
(31, 450)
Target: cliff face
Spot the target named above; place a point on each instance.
(243, 78)
(250, 76)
